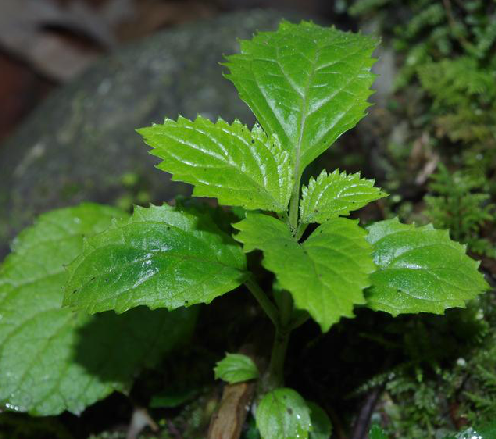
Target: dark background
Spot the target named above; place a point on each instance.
(45, 43)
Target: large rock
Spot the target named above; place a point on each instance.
(80, 144)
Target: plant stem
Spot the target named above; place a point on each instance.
(293, 206)
(281, 340)
(276, 367)
(266, 304)
(300, 231)
(275, 376)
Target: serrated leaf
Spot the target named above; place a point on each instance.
(283, 414)
(238, 166)
(325, 275)
(321, 424)
(336, 194)
(305, 83)
(52, 359)
(420, 270)
(236, 368)
(161, 258)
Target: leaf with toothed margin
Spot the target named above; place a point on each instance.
(336, 194)
(160, 257)
(236, 368)
(283, 414)
(52, 359)
(420, 270)
(228, 161)
(326, 274)
(305, 83)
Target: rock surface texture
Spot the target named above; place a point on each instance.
(81, 144)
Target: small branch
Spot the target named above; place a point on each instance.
(266, 304)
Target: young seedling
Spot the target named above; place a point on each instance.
(306, 85)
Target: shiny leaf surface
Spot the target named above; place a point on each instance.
(52, 359)
(236, 368)
(161, 258)
(283, 414)
(307, 84)
(420, 270)
(326, 274)
(238, 166)
(336, 194)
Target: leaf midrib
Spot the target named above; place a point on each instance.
(224, 163)
(303, 109)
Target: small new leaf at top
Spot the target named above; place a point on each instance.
(306, 83)
(336, 194)
(227, 161)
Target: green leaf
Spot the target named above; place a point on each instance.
(52, 359)
(336, 194)
(326, 274)
(321, 424)
(238, 166)
(377, 433)
(236, 368)
(305, 83)
(160, 257)
(283, 414)
(420, 270)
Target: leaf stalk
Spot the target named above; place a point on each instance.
(266, 304)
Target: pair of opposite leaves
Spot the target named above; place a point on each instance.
(307, 85)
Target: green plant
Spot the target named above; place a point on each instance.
(430, 30)
(425, 394)
(450, 47)
(306, 85)
(459, 204)
(463, 99)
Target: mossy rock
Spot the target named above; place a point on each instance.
(81, 145)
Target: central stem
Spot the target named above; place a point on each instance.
(283, 315)
(283, 327)
(293, 206)
(281, 340)
(276, 366)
